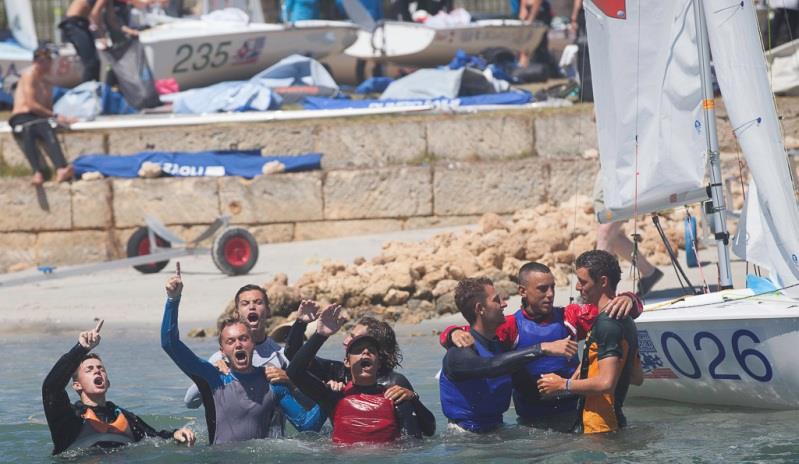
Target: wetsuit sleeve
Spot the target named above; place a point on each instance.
(608, 334)
(141, 429)
(302, 419)
(445, 338)
(295, 339)
(426, 419)
(578, 320)
(638, 307)
(185, 359)
(64, 424)
(465, 363)
(407, 419)
(307, 383)
(508, 332)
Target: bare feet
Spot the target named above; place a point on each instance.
(37, 179)
(64, 174)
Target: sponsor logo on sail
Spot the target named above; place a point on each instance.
(249, 51)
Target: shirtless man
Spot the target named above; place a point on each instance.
(84, 19)
(33, 107)
(92, 421)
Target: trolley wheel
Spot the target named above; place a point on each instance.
(139, 244)
(235, 251)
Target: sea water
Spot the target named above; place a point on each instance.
(145, 381)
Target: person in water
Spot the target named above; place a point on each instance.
(361, 412)
(91, 421)
(610, 361)
(538, 321)
(240, 404)
(251, 304)
(475, 382)
(337, 374)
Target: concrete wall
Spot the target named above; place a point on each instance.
(380, 173)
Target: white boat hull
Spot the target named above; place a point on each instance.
(201, 53)
(707, 351)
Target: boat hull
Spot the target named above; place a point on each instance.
(726, 353)
(66, 71)
(198, 54)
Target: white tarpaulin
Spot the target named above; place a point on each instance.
(645, 70)
(773, 218)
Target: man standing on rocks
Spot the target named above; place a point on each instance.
(610, 361)
(475, 383)
(538, 321)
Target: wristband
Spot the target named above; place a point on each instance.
(568, 390)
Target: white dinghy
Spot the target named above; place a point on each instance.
(200, 52)
(656, 127)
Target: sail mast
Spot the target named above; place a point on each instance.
(719, 215)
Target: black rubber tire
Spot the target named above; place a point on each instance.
(134, 249)
(235, 251)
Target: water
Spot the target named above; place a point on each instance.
(145, 381)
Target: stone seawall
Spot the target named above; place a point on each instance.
(379, 173)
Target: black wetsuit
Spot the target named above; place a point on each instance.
(466, 364)
(328, 399)
(65, 419)
(28, 128)
(327, 369)
(75, 30)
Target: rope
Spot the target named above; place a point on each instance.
(634, 269)
(730, 300)
(696, 252)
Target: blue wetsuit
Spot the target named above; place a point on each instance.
(238, 406)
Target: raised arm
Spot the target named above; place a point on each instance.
(185, 359)
(307, 383)
(465, 363)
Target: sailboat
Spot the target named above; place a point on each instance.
(655, 109)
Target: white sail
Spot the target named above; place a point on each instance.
(20, 21)
(771, 229)
(644, 65)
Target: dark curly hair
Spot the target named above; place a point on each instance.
(600, 263)
(468, 293)
(389, 350)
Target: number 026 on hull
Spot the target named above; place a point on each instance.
(735, 352)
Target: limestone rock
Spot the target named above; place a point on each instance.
(396, 297)
(506, 288)
(273, 167)
(92, 175)
(444, 287)
(491, 221)
(150, 170)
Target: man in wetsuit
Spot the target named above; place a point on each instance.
(239, 404)
(475, 382)
(538, 321)
(251, 305)
(30, 117)
(83, 19)
(361, 412)
(610, 361)
(336, 374)
(91, 421)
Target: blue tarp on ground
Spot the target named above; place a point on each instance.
(243, 163)
(504, 98)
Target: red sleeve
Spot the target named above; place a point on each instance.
(508, 333)
(444, 338)
(638, 308)
(579, 319)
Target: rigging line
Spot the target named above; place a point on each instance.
(726, 300)
(696, 252)
(675, 264)
(634, 269)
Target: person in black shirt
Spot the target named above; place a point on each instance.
(91, 421)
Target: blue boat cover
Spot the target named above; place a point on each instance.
(503, 98)
(242, 163)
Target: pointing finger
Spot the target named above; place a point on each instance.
(99, 325)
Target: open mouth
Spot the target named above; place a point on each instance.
(240, 355)
(98, 381)
(366, 363)
(252, 317)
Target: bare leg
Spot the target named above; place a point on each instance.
(611, 238)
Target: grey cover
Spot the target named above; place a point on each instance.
(133, 73)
